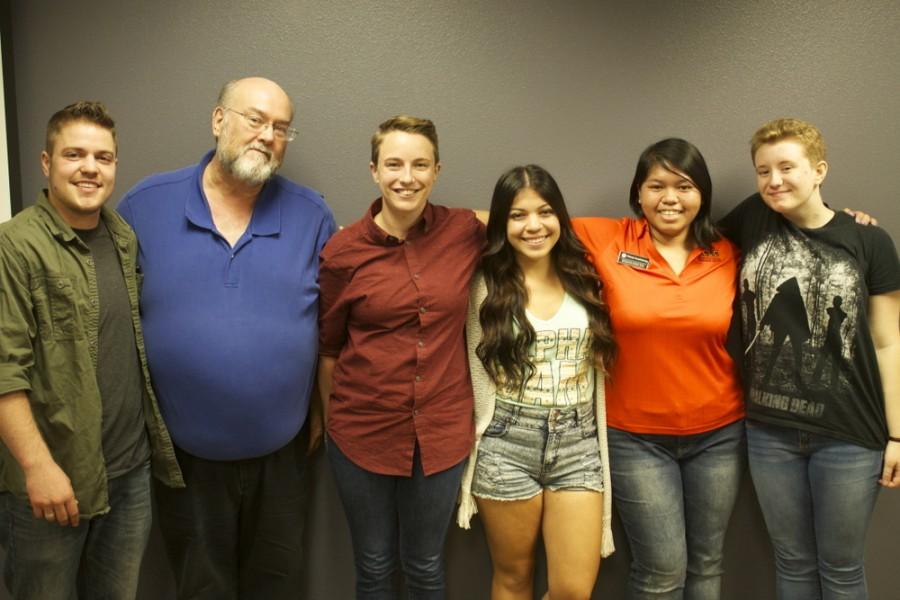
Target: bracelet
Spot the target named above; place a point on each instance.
(893, 439)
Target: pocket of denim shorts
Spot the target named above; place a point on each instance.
(589, 428)
(497, 427)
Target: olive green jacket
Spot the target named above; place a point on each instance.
(49, 322)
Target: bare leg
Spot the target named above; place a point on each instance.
(573, 527)
(511, 528)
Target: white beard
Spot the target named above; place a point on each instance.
(249, 166)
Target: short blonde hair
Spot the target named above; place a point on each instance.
(408, 124)
(806, 134)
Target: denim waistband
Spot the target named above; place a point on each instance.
(554, 416)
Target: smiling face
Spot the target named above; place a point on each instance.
(251, 156)
(405, 173)
(669, 201)
(81, 172)
(786, 179)
(532, 228)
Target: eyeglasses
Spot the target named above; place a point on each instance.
(257, 123)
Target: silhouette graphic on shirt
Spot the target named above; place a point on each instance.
(786, 316)
(833, 346)
(748, 299)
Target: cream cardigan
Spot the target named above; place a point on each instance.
(484, 392)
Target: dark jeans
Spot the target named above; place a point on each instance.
(391, 517)
(100, 559)
(236, 530)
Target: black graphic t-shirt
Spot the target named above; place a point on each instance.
(809, 360)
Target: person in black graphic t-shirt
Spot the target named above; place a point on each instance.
(831, 288)
(833, 341)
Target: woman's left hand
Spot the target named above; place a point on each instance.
(890, 474)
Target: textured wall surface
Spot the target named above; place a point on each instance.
(579, 87)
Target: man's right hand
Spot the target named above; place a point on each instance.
(48, 487)
(51, 495)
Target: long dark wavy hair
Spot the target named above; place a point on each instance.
(507, 333)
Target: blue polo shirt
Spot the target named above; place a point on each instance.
(231, 333)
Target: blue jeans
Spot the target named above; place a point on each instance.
(817, 494)
(391, 516)
(100, 559)
(675, 495)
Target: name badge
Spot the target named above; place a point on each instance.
(633, 260)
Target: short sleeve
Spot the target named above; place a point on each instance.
(326, 228)
(596, 233)
(730, 224)
(883, 274)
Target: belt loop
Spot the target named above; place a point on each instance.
(580, 410)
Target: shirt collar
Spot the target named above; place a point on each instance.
(644, 230)
(266, 219)
(379, 236)
(649, 246)
(57, 225)
(60, 228)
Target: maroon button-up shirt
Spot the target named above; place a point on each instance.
(393, 312)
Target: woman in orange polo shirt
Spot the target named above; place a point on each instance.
(674, 405)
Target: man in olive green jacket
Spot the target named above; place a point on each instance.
(78, 419)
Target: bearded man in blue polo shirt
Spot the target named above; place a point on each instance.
(229, 255)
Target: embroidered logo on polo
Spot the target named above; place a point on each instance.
(711, 255)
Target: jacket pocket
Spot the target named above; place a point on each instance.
(55, 309)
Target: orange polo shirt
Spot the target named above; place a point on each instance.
(673, 375)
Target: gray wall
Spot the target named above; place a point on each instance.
(579, 87)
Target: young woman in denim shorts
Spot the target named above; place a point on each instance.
(539, 343)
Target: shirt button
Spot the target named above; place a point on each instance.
(415, 275)
(60, 284)
(423, 310)
(90, 261)
(421, 344)
(418, 378)
(416, 412)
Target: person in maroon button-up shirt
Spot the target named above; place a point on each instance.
(392, 365)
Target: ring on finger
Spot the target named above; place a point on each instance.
(49, 516)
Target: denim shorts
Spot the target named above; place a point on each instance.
(525, 450)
